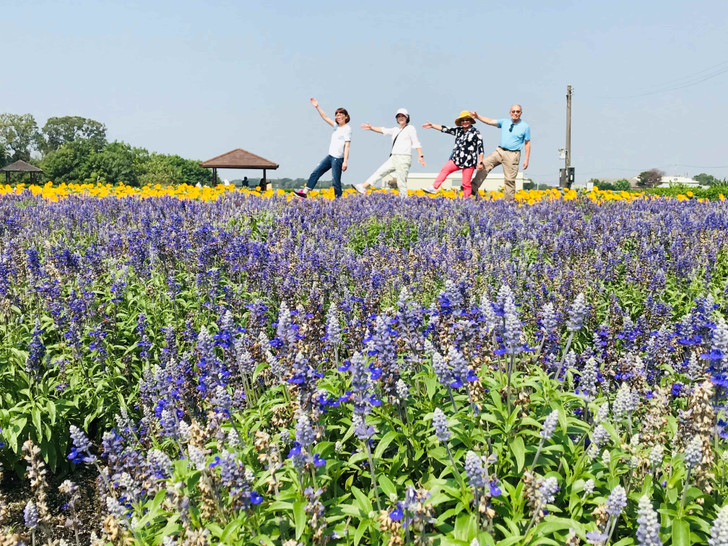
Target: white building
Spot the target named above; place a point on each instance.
(668, 181)
(418, 181)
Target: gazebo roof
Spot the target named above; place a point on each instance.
(20, 167)
(239, 159)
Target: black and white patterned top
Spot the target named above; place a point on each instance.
(468, 145)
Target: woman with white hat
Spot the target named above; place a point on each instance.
(404, 140)
(467, 154)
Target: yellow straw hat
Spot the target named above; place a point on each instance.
(465, 114)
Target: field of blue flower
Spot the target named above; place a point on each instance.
(368, 370)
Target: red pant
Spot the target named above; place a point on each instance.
(450, 168)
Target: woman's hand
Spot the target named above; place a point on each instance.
(366, 126)
(427, 125)
(314, 102)
(422, 161)
(343, 166)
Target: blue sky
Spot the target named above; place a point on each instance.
(199, 79)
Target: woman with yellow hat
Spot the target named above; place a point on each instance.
(467, 154)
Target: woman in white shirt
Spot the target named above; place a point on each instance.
(338, 157)
(404, 140)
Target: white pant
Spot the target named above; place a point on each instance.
(399, 164)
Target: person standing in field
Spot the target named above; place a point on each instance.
(467, 154)
(404, 140)
(338, 157)
(515, 137)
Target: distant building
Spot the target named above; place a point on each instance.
(668, 181)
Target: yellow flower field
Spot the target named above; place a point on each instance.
(207, 193)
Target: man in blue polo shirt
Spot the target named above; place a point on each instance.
(515, 136)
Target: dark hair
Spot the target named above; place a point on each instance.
(343, 111)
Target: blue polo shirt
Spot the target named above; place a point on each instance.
(513, 139)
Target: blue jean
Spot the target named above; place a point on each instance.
(329, 162)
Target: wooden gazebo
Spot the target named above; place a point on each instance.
(239, 159)
(21, 167)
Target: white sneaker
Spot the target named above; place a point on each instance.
(430, 189)
(360, 188)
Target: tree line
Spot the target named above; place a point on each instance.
(74, 149)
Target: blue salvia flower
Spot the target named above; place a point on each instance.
(474, 470)
(588, 382)
(489, 315)
(144, 344)
(719, 531)
(402, 390)
(512, 334)
(547, 491)
(648, 524)
(718, 355)
(577, 314)
(304, 432)
(439, 422)
(694, 453)
(617, 501)
(36, 352)
(159, 464)
(656, 455)
(549, 425)
(80, 447)
(30, 515)
(234, 477)
(333, 327)
(286, 331)
(461, 374)
(602, 413)
(361, 429)
(599, 438)
(441, 369)
(596, 538)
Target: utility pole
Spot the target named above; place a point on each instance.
(566, 177)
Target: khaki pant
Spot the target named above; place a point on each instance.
(510, 161)
(399, 164)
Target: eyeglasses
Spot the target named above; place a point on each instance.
(510, 129)
(515, 111)
(466, 121)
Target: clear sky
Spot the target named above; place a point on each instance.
(198, 79)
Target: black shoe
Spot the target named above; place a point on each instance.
(300, 193)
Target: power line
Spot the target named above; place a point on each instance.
(682, 82)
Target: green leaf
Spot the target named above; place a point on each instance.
(519, 451)
(299, 517)
(680, 533)
(384, 443)
(365, 505)
(386, 485)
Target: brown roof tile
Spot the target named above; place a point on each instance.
(239, 159)
(21, 167)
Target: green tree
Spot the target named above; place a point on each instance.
(118, 162)
(190, 171)
(62, 130)
(158, 169)
(622, 185)
(650, 179)
(709, 180)
(70, 162)
(18, 136)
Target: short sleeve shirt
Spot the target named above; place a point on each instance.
(468, 145)
(513, 138)
(406, 139)
(342, 134)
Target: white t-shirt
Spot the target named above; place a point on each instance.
(406, 141)
(342, 134)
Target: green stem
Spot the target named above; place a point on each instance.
(374, 477)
